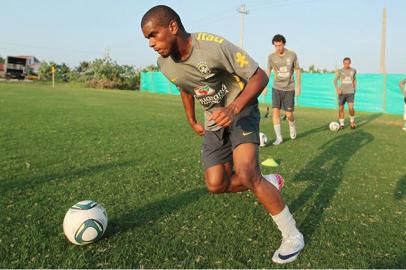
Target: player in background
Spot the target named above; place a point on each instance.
(346, 91)
(284, 63)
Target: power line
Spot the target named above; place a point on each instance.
(283, 4)
(51, 48)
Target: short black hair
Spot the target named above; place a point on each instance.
(347, 58)
(279, 38)
(163, 15)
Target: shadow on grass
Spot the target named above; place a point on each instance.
(398, 263)
(360, 124)
(325, 173)
(27, 182)
(152, 212)
(400, 191)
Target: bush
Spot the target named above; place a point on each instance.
(105, 73)
(100, 73)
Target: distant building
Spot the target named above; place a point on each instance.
(22, 67)
(32, 62)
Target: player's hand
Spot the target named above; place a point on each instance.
(297, 90)
(223, 116)
(198, 128)
(338, 91)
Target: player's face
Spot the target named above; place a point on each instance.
(279, 46)
(161, 39)
(347, 64)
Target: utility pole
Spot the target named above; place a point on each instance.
(383, 42)
(383, 62)
(107, 53)
(243, 11)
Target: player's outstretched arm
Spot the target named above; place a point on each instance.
(268, 73)
(298, 82)
(189, 105)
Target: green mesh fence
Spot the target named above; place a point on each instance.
(317, 91)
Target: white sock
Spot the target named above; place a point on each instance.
(286, 223)
(341, 122)
(292, 124)
(292, 129)
(352, 119)
(278, 133)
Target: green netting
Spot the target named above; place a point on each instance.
(156, 82)
(394, 97)
(317, 91)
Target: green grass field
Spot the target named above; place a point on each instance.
(135, 154)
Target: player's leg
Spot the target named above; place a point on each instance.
(352, 114)
(351, 111)
(341, 103)
(219, 179)
(276, 108)
(245, 157)
(289, 105)
(246, 168)
(218, 163)
(244, 136)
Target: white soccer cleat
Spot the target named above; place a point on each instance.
(289, 249)
(292, 133)
(404, 128)
(278, 141)
(275, 179)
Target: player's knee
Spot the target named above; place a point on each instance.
(276, 111)
(249, 178)
(216, 184)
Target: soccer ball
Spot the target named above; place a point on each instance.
(263, 139)
(85, 222)
(334, 126)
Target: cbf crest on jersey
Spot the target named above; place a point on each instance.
(204, 70)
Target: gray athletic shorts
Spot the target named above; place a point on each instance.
(218, 146)
(343, 98)
(283, 100)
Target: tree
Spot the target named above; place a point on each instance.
(106, 73)
(2, 60)
(83, 67)
(150, 68)
(44, 71)
(63, 72)
(99, 73)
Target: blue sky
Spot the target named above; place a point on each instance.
(322, 32)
